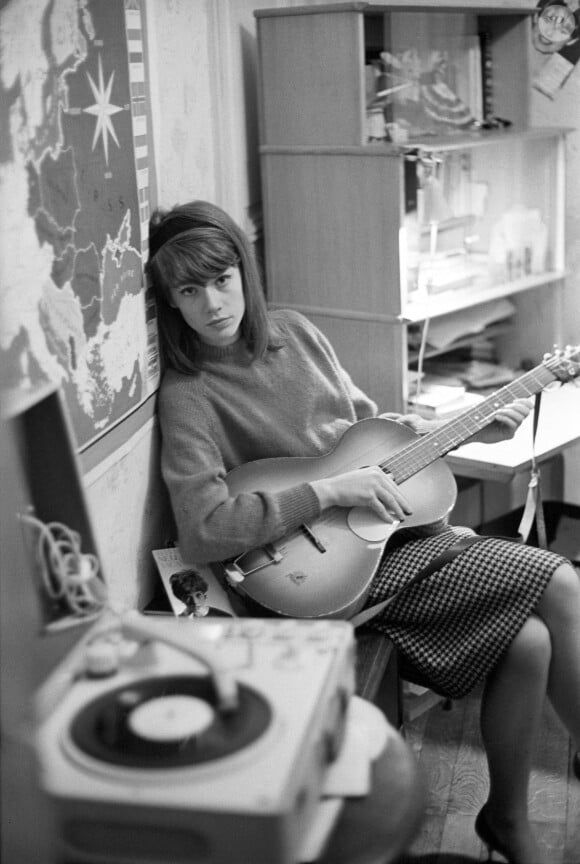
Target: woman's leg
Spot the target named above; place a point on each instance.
(559, 608)
(510, 718)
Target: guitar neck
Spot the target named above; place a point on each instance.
(426, 449)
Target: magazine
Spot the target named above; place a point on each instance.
(170, 566)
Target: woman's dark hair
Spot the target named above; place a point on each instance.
(195, 243)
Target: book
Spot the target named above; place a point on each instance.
(444, 408)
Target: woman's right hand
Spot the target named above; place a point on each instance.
(364, 487)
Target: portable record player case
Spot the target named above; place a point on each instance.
(140, 764)
(141, 692)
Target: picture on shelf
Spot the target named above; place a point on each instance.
(414, 93)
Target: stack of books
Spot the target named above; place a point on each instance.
(442, 401)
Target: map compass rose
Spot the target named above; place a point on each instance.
(103, 110)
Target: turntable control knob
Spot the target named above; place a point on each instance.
(101, 659)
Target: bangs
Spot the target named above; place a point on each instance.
(191, 260)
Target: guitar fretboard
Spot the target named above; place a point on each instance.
(420, 453)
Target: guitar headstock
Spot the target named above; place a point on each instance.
(564, 363)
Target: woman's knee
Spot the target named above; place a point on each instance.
(531, 648)
(561, 597)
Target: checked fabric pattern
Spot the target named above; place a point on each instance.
(454, 626)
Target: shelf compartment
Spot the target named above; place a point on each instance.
(489, 333)
(317, 58)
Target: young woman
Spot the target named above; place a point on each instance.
(242, 384)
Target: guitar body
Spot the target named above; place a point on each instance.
(325, 570)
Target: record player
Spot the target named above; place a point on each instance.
(160, 740)
(206, 741)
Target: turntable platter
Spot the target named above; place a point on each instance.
(167, 722)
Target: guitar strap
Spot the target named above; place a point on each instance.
(533, 508)
(439, 561)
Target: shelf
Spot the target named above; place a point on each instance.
(364, 236)
(500, 7)
(451, 224)
(427, 144)
(462, 298)
(479, 138)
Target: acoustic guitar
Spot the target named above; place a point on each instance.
(325, 569)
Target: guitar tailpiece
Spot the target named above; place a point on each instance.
(233, 576)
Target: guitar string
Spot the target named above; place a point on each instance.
(420, 453)
(405, 462)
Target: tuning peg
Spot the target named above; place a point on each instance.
(549, 355)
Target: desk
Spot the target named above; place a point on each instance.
(376, 829)
(558, 428)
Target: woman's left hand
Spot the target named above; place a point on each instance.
(503, 426)
(505, 423)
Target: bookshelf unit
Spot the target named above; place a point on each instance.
(381, 213)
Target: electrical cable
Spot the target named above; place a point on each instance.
(67, 574)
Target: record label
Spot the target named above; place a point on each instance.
(170, 718)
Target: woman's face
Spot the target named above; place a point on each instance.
(214, 310)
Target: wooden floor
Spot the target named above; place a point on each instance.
(449, 750)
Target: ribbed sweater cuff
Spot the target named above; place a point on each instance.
(298, 505)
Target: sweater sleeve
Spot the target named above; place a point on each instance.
(213, 525)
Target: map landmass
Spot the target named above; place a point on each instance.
(74, 310)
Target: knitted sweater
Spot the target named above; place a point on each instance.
(295, 401)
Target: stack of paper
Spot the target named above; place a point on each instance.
(447, 329)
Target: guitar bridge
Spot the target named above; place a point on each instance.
(251, 562)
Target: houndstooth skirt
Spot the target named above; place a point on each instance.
(454, 626)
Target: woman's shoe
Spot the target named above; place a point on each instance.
(487, 836)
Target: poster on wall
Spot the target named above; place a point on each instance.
(556, 33)
(74, 195)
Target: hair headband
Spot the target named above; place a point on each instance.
(167, 231)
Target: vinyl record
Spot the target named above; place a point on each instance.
(167, 722)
